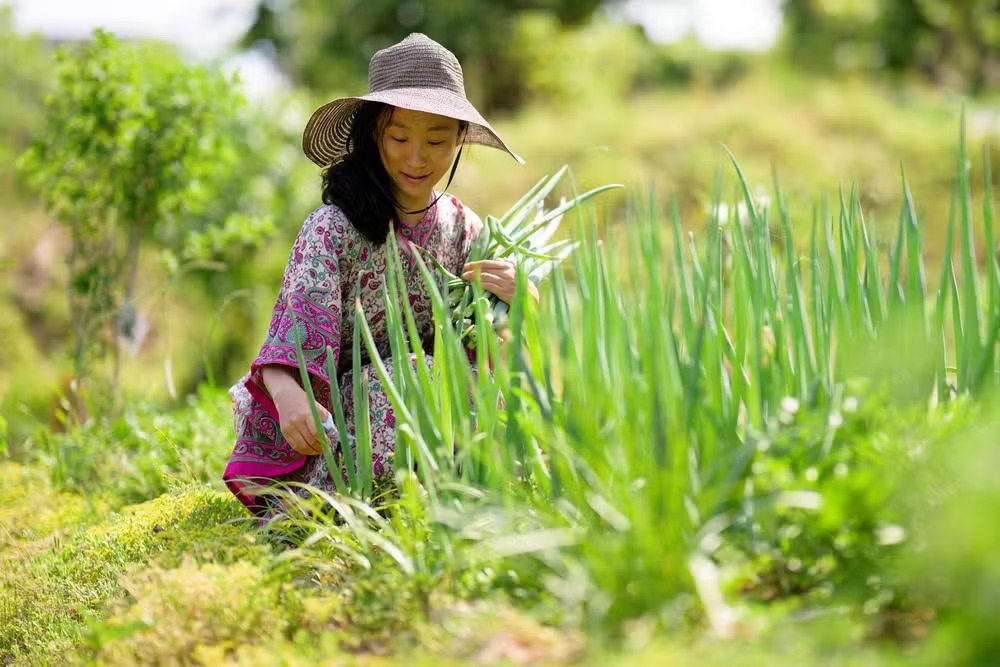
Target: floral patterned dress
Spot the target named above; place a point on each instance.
(330, 268)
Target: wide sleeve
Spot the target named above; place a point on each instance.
(309, 307)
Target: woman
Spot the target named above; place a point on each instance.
(384, 154)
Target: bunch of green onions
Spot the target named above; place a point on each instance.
(523, 235)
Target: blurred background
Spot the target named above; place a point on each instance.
(826, 95)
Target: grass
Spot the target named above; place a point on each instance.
(139, 455)
(53, 587)
(177, 579)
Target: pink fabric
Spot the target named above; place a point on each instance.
(330, 268)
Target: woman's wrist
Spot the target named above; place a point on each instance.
(280, 382)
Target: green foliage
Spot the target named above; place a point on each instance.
(950, 42)
(668, 438)
(135, 134)
(825, 520)
(139, 143)
(25, 77)
(953, 563)
(24, 381)
(318, 42)
(567, 67)
(142, 453)
(687, 62)
(832, 131)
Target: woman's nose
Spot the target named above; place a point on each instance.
(415, 155)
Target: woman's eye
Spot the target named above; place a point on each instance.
(435, 143)
(398, 140)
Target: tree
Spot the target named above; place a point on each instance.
(139, 147)
(948, 41)
(327, 45)
(953, 41)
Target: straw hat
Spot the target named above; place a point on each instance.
(417, 74)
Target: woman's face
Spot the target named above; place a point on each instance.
(417, 149)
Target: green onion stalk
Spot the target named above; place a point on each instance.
(523, 235)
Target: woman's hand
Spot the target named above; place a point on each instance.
(499, 277)
(298, 425)
(294, 416)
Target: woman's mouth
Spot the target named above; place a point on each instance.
(415, 180)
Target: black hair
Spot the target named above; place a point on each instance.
(359, 184)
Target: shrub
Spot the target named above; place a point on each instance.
(142, 453)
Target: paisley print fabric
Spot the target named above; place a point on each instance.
(331, 268)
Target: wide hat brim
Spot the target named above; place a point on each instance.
(324, 140)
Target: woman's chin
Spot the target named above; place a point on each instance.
(418, 195)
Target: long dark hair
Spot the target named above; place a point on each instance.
(359, 184)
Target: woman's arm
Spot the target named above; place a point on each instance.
(307, 314)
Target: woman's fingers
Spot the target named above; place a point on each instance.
(498, 277)
(502, 287)
(312, 450)
(488, 267)
(489, 264)
(503, 284)
(296, 439)
(493, 278)
(303, 437)
(303, 445)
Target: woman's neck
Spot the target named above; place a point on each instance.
(417, 208)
